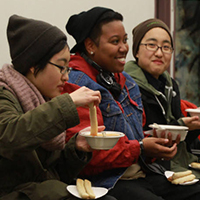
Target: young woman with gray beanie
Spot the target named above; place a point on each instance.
(152, 49)
(36, 164)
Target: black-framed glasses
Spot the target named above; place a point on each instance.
(154, 47)
(63, 70)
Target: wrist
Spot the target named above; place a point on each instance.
(141, 147)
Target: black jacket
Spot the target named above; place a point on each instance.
(151, 104)
(160, 108)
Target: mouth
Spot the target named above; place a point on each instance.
(122, 60)
(158, 62)
(60, 87)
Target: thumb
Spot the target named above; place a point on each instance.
(101, 128)
(194, 118)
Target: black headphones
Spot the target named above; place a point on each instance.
(105, 78)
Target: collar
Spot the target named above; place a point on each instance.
(158, 84)
(77, 62)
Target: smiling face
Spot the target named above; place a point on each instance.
(50, 81)
(112, 48)
(156, 62)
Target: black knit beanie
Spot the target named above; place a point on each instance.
(80, 25)
(30, 41)
(141, 29)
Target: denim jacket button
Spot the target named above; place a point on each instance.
(108, 108)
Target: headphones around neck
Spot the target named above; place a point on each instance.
(105, 78)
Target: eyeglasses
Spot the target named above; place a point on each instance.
(154, 47)
(63, 70)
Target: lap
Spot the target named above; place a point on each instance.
(155, 187)
(51, 190)
(138, 189)
(173, 192)
(15, 196)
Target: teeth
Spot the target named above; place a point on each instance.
(121, 59)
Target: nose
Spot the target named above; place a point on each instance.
(65, 77)
(124, 47)
(159, 51)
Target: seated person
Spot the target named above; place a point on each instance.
(195, 146)
(36, 164)
(152, 49)
(100, 53)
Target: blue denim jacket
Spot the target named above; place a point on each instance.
(127, 119)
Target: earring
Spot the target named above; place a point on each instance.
(91, 52)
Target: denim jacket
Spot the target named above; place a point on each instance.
(123, 114)
(118, 115)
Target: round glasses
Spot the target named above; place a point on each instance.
(154, 47)
(63, 70)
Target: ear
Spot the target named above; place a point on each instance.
(89, 46)
(32, 70)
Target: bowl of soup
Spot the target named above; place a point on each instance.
(194, 112)
(173, 129)
(104, 140)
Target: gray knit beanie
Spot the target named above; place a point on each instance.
(141, 29)
(30, 41)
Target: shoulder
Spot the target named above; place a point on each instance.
(130, 82)
(6, 93)
(129, 64)
(79, 78)
(128, 67)
(174, 83)
(128, 77)
(82, 79)
(8, 99)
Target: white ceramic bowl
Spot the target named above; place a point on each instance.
(103, 142)
(173, 129)
(194, 112)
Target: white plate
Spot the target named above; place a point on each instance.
(196, 110)
(194, 167)
(190, 182)
(98, 191)
(170, 173)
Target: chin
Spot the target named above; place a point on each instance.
(55, 95)
(120, 70)
(58, 94)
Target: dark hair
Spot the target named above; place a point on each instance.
(96, 31)
(42, 64)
